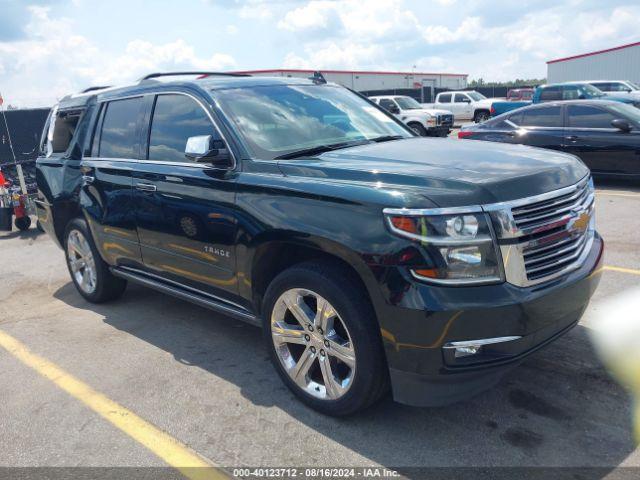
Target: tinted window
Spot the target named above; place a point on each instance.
(387, 104)
(551, 93)
(175, 119)
(611, 87)
(444, 98)
(572, 93)
(119, 137)
(542, 117)
(589, 117)
(459, 98)
(279, 120)
(498, 124)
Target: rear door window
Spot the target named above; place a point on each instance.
(175, 119)
(542, 117)
(119, 136)
(444, 98)
(550, 94)
(583, 116)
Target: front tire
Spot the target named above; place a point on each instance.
(323, 339)
(418, 128)
(90, 274)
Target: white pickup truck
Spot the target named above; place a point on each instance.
(465, 105)
(424, 121)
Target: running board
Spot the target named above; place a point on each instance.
(191, 296)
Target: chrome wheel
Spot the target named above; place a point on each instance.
(313, 344)
(81, 261)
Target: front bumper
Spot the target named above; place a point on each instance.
(418, 320)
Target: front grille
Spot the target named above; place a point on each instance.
(555, 232)
(444, 120)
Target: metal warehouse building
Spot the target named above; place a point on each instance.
(368, 80)
(617, 63)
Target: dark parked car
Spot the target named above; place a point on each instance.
(604, 134)
(370, 256)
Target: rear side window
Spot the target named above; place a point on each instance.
(119, 136)
(589, 117)
(61, 128)
(387, 104)
(542, 117)
(175, 119)
(550, 94)
(444, 98)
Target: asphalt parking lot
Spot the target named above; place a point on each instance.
(149, 364)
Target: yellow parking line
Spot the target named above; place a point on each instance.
(170, 450)
(622, 270)
(617, 194)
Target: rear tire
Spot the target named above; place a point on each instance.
(89, 272)
(349, 352)
(482, 116)
(419, 129)
(23, 223)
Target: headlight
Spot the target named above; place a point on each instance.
(459, 246)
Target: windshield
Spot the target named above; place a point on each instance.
(633, 85)
(627, 111)
(475, 96)
(276, 120)
(589, 91)
(407, 103)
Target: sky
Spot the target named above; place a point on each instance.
(49, 48)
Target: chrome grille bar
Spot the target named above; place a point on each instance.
(547, 236)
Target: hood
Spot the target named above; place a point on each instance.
(622, 97)
(425, 111)
(436, 111)
(446, 172)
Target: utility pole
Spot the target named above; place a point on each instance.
(23, 185)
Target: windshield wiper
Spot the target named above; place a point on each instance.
(387, 138)
(320, 149)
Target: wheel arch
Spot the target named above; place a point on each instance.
(62, 214)
(276, 255)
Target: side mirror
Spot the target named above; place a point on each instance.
(466, 100)
(394, 109)
(206, 149)
(621, 124)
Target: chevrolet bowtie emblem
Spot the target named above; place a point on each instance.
(582, 222)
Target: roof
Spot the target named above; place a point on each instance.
(598, 52)
(349, 72)
(206, 84)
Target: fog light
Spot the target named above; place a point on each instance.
(466, 351)
(473, 347)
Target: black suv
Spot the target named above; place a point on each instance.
(370, 256)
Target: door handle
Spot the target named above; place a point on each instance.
(146, 187)
(571, 138)
(88, 179)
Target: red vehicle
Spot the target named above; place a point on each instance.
(520, 94)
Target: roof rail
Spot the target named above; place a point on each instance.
(91, 89)
(201, 74)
